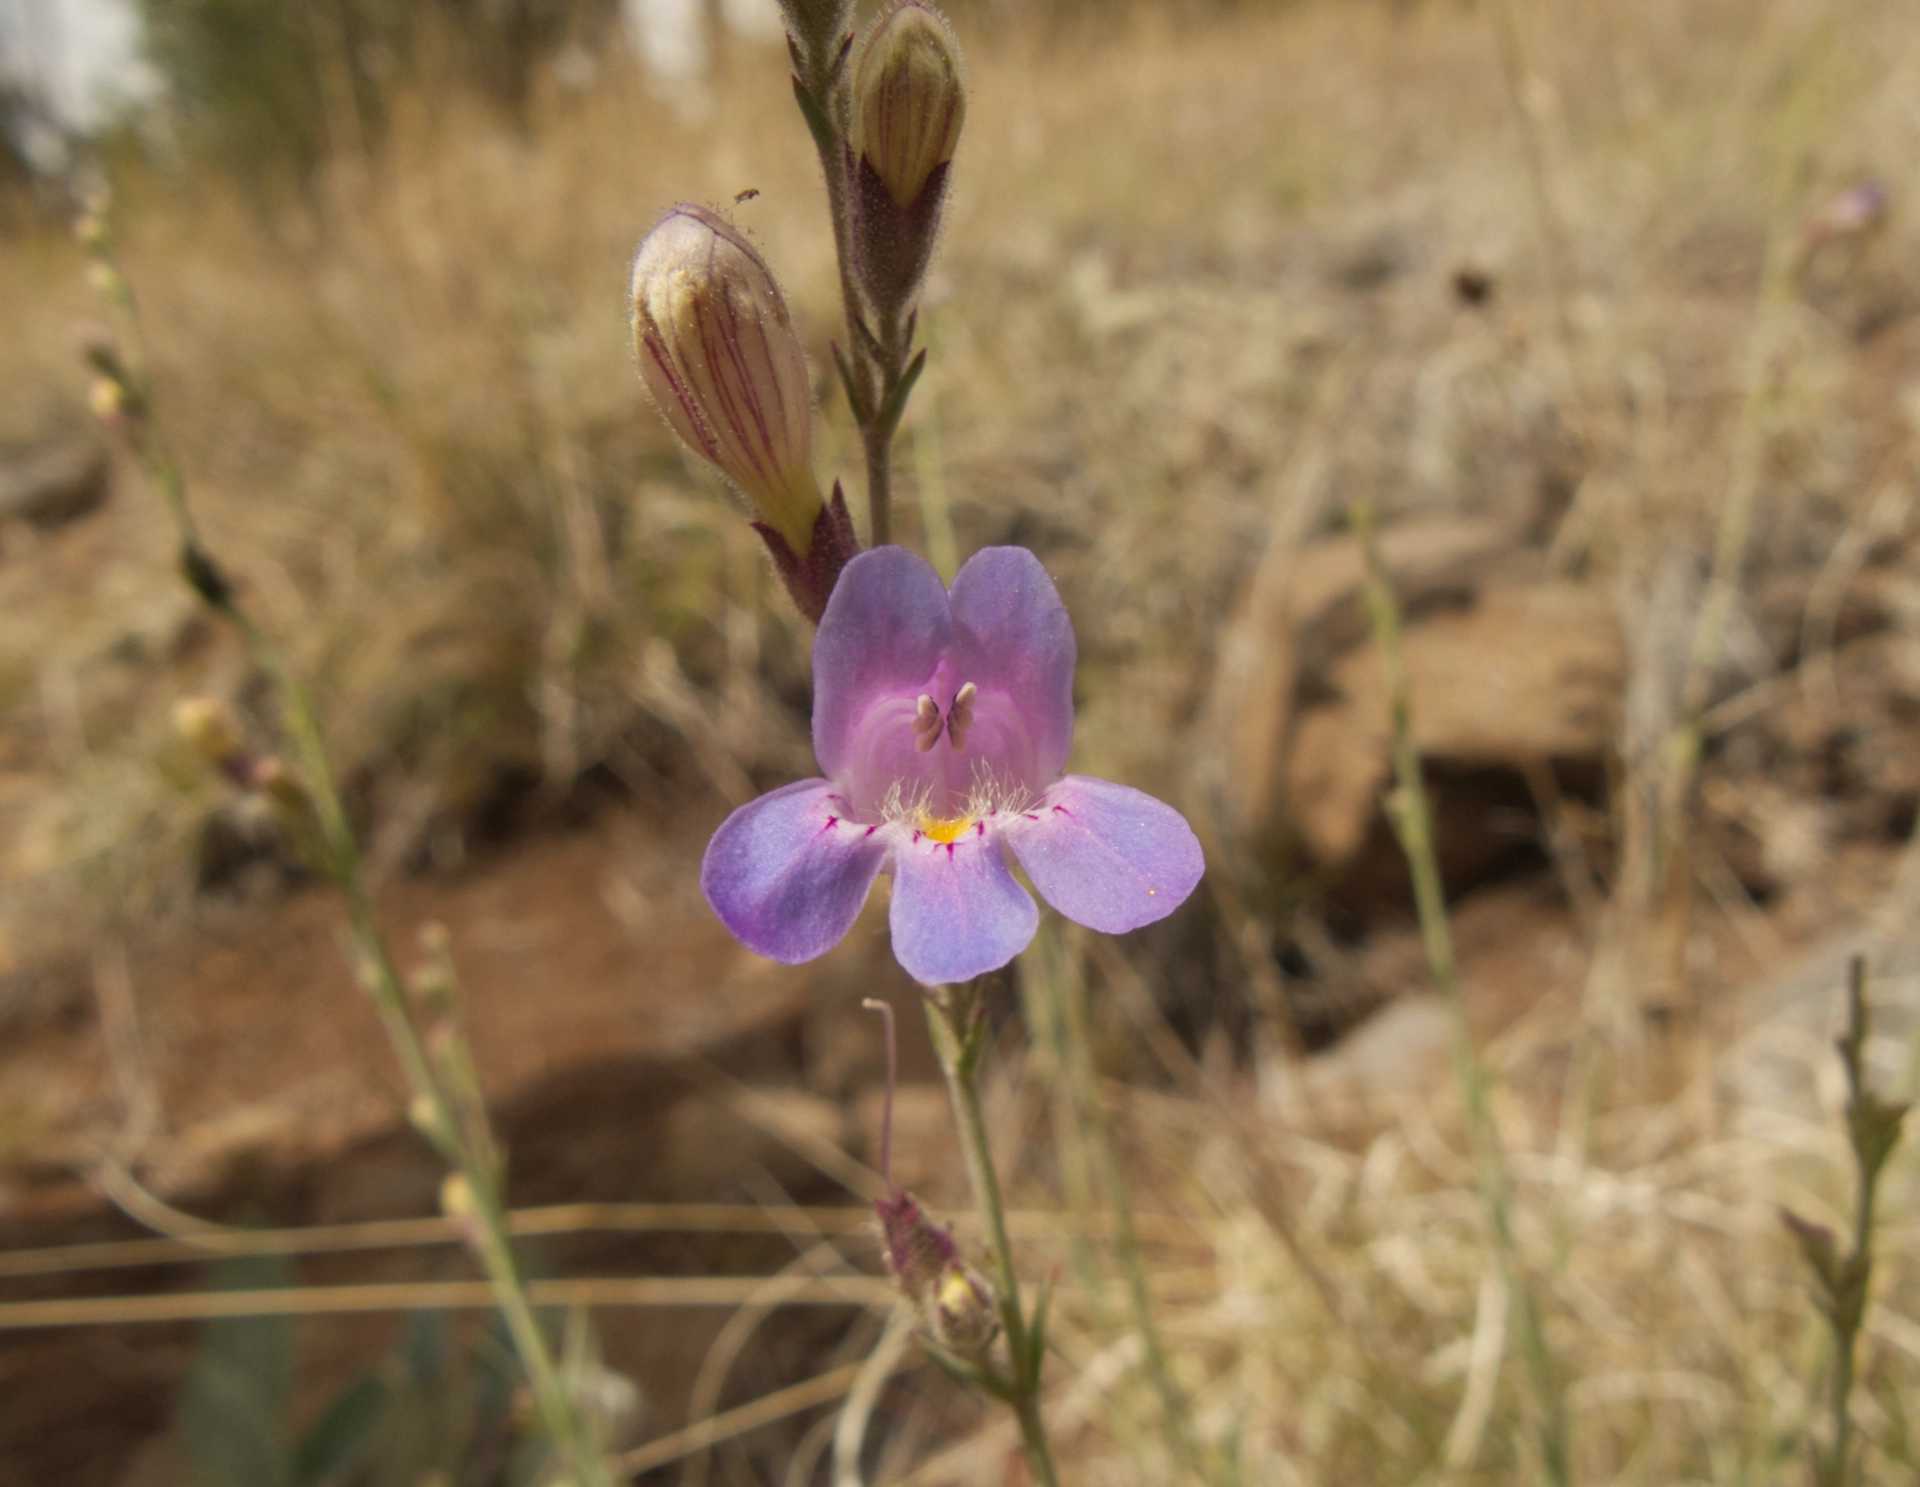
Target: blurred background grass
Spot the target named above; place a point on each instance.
(1550, 276)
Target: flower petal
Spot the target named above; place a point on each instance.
(880, 640)
(957, 912)
(1012, 639)
(787, 873)
(1106, 856)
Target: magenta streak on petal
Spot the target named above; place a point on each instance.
(788, 873)
(1106, 856)
(957, 913)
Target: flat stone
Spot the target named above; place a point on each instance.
(1522, 676)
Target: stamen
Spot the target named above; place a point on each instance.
(960, 717)
(926, 724)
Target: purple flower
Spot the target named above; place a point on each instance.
(942, 722)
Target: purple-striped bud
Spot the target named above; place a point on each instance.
(909, 98)
(717, 350)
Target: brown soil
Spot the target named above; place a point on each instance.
(602, 999)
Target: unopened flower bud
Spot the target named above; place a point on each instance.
(909, 101)
(210, 727)
(718, 352)
(909, 98)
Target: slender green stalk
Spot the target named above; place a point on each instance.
(1412, 820)
(958, 1024)
(877, 365)
(460, 1135)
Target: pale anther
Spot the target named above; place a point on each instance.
(926, 724)
(960, 716)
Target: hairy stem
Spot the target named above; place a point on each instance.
(877, 444)
(876, 355)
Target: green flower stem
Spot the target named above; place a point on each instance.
(954, 1017)
(877, 367)
(460, 1136)
(1412, 821)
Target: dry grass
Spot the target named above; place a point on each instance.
(1194, 300)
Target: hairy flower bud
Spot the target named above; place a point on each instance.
(718, 352)
(909, 98)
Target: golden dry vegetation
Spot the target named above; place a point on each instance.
(1547, 285)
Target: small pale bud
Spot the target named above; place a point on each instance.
(718, 352)
(424, 1116)
(456, 1197)
(108, 401)
(90, 230)
(909, 98)
(210, 728)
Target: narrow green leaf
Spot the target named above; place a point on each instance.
(1817, 1247)
(896, 403)
(964, 1371)
(817, 122)
(426, 1347)
(341, 1436)
(862, 414)
(1037, 1329)
(233, 1417)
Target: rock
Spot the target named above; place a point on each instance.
(1524, 675)
(1392, 1061)
(1302, 612)
(56, 483)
